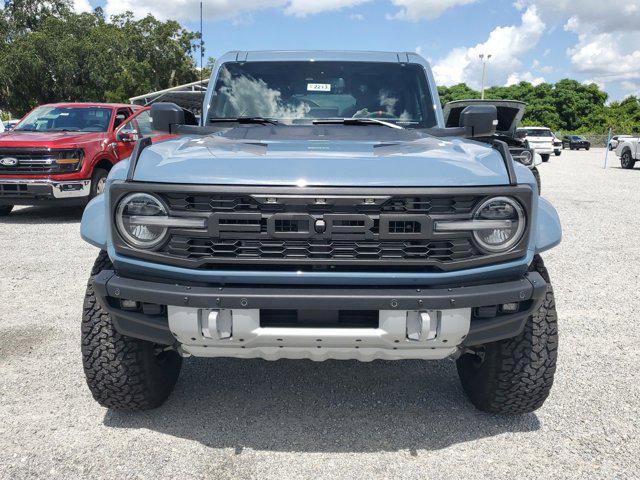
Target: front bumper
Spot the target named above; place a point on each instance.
(34, 192)
(168, 314)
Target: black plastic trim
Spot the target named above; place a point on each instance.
(503, 148)
(110, 285)
(140, 145)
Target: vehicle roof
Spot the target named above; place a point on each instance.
(92, 104)
(320, 55)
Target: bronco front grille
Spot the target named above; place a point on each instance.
(337, 229)
(212, 250)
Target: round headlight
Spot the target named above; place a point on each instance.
(526, 157)
(509, 214)
(134, 219)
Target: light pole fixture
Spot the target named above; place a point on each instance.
(484, 59)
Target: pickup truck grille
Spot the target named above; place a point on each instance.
(32, 161)
(29, 161)
(333, 229)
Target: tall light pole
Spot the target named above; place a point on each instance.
(484, 71)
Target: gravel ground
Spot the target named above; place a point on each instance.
(286, 419)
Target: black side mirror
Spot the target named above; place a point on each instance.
(164, 115)
(479, 120)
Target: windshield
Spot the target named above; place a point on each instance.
(66, 119)
(534, 132)
(300, 92)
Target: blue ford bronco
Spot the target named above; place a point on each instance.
(320, 209)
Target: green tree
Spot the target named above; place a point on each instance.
(56, 55)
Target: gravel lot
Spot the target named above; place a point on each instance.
(286, 419)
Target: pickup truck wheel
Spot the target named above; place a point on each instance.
(514, 376)
(536, 174)
(5, 210)
(587, 148)
(545, 157)
(123, 373)
(98, 182)
(626, 160)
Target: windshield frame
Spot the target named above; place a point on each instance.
(40, 111)
(429, 103)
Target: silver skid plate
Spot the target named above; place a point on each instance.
(401, 334)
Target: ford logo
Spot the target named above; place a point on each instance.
(8, 162)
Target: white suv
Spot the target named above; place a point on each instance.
(538, 138)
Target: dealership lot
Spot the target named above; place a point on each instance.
(287, 419)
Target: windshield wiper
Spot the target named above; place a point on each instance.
(357, 121)
(245, 120)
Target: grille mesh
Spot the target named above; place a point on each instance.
(213, 249)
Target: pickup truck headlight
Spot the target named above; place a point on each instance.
(68, 160)
(139, 219)
(505, 222)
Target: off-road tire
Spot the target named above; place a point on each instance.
(514, 376)
(587, 148)
(123, 373)
(536, 174)
(5, 210)
(99, 175)
(626, 160)
(545, 157)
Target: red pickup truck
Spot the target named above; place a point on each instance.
(62, 153)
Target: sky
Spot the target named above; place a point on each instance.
(534, 40)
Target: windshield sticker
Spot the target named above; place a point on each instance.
(318, 87)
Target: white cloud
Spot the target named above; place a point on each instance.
(615, 56)
(358, 17)
(608, 36)
(217, 9)
(517, 77)
(507, 45)
(82, 6)
(414, 10)
(609, 16)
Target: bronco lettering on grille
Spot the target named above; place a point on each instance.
(328, 226)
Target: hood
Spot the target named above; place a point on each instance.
(510, 113)
(47, 139)
(418, 161)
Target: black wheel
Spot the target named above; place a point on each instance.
(515, 376)
(587, 148)
(557, 153)
(123, 373)
(98, 182)
(626, 160)
(536, 174)
(5, 210)
(545, 157)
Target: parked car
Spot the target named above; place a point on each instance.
(628, 151)
(557, 145)
(615, 140)
(538, 138)
(510, 113)
(322, 211)
(62, 153)
(575, 142)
